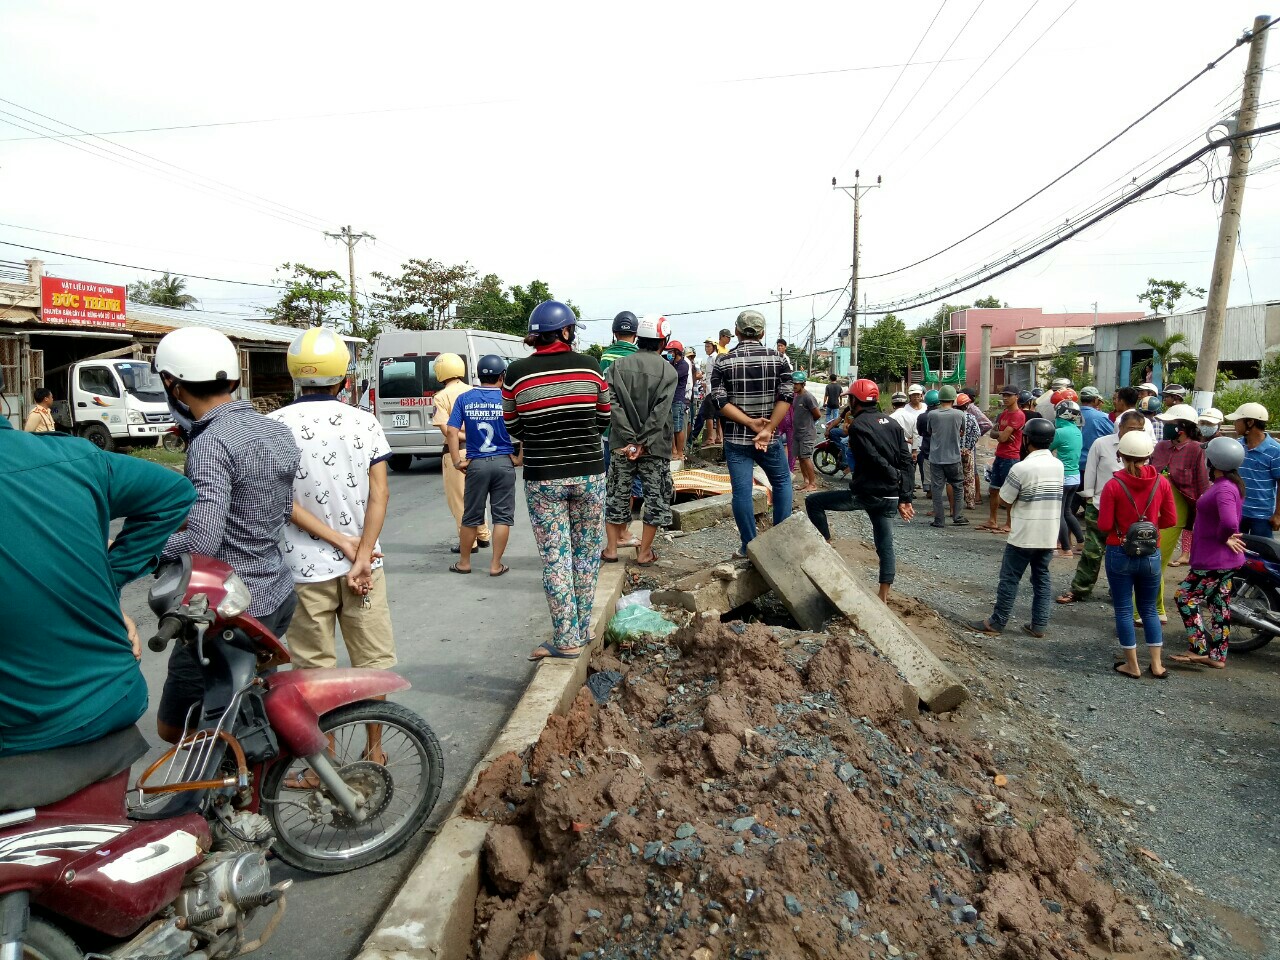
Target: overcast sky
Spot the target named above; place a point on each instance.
(671, 161)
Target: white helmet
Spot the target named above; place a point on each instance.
(1179, 411)
(1137, 444)
(654, 326)
(198, 355)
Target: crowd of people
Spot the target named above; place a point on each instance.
(295, 501)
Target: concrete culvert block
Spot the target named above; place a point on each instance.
(698, 514)
(779, 553)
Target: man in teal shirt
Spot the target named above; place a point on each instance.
(70, 669)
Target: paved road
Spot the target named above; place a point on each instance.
(462, 644)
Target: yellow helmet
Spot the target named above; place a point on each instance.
(318, 358)
(449, 366)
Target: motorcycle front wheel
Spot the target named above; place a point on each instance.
(826, 461)
(384, 752)
(44, 941)
(1259, 600)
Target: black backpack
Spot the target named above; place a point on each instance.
(1142, 539)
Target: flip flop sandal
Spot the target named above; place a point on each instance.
(632, 542)
(1031, 631)
(604, 559)
(648, 563)
(553, 653)
(1067, 598)
(1158, 676)
(504, 569)
(453, 567)
(1124, 673)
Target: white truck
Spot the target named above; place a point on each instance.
(111, 403)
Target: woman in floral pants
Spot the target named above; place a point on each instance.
(556, 404)
(1217, 552)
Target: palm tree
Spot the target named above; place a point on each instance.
(1166, 352)
(165, 292)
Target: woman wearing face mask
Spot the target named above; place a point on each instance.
(1182, 461)
(1217, 552)
(1210, 424)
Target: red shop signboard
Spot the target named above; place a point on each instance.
(81, 302)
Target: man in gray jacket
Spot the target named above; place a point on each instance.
(642, 387)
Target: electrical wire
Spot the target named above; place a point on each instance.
(1114, 208)
(1210, 66)
(134, 266)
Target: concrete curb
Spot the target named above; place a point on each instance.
(433, 912)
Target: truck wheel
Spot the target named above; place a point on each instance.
(99, 436)
(400, 462)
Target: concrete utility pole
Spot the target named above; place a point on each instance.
(856, 191)
(351, 239)
(1215, 312)
(780, 294)
(984, 375)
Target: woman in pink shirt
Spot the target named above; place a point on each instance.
(1217, 551)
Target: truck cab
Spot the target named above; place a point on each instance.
(112, 403)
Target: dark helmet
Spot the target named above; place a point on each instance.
(1024, 398)
(1037, 393)
(551, 315)
(626, 322)
(491, 367)
(1039, 432)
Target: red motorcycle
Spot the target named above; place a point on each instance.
(303, 763)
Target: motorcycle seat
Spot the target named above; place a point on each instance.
(1265, 547)
(46, 776)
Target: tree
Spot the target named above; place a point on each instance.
(425, 296)
(595, 350)
(1167, 353)
(490, 306)
(312, 297)
(989, 303)
(886, 349)
(1069, 365)
(164, 292)
(799, 359)
(1165, 294)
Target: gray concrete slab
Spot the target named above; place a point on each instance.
(462, 643)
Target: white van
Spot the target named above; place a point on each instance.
(406, 383)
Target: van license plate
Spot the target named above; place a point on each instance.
(399, 420)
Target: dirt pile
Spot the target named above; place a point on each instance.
(733, 799)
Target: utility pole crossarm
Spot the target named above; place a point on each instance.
(346, 236)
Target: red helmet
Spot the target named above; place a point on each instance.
(864, 391)
(1066, 393)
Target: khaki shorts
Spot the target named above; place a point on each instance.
(366, 631)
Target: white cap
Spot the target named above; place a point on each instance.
(1212, 415)
(1138, 444)
(915, 390)
(1249, 411)
(1148, 386)
(1179, 411)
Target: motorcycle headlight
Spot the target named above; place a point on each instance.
(237, 599)
(136, 417)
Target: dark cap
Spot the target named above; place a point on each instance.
(726, 332)
(1009, 391)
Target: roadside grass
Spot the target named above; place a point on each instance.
(169, 458)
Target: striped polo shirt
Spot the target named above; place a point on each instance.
(556, 404)
(1260, 471)
(1034, 488)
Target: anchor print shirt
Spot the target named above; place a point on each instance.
(339, 444)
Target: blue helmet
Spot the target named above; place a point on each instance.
(551, 315)
(491, 367)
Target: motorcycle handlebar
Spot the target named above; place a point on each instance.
(167, 630)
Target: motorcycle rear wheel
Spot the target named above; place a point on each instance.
(827, 462)
(414, 770)
(1259, 597)
(44, 941)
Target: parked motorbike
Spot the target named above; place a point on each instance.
(826, 457)
(1255, 596)
(304, 763)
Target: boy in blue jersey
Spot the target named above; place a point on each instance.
(489, 465)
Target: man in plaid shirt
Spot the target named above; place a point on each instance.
(752, 388)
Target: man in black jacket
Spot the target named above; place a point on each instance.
(883, 477)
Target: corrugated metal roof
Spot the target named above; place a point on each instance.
(152, 319)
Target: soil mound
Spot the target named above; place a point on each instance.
(733, 800)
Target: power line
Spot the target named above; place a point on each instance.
(1210, 66)
(134, 266)
(1120, 204)
(919, 43)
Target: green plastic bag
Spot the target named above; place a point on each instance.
(632, 623)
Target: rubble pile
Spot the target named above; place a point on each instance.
(734, 799)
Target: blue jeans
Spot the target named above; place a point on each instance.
(1257, 527)
(741, 458)
(832, 413)
(880, 511)
(1012, 567)
(842, 444)
(1132, 577)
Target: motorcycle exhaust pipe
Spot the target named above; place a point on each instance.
(1249, 619)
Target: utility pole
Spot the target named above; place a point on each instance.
(780, 294)
(1215, 312)
(856, 191)
(351, 239)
